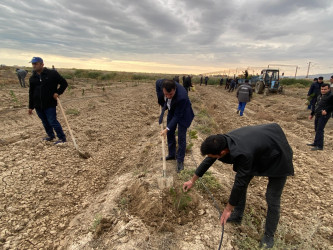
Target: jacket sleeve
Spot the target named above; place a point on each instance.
(330, 105)
(31, 98)
(62, 82)
(311, 89)
(159, 93)
(204, 166)
(239, 188)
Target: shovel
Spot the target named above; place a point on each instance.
(84, 155)
(164, 181)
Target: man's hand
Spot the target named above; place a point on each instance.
(164, 132)
(310, 117)
(187, 185)
(226, 213)
(55, 96)
(30, 111)
(323, 112)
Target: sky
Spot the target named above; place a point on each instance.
(170, 36)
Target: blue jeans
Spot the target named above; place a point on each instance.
(241, 107)
(320, 123)
(181, 142)
(50, 122)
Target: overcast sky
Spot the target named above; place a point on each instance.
(178, 36)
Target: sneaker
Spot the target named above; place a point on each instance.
(237, 111)
(267, 241)
(48, 138)
(60, 141)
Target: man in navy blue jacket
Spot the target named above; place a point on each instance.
(261, 150)
(172, 96)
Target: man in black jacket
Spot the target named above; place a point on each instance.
(254, 151)
(43, 94)
(322, 112)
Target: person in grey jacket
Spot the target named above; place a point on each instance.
(21, 74)
(261, 150)
(244, 94)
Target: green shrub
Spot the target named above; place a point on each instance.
(80, 73)
(94, 74)
(296, 82)
(181, 200)
(72, 112)
(193, 134)
(67, 75)
(213, 81)
(208, 179)
(108, 76)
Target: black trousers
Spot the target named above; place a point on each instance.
(273, 198)
(320, 123)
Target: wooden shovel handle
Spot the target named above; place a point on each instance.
(163, 151)
(69, 128)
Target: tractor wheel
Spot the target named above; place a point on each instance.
(259, 88)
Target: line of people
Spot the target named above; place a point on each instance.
(253, 151)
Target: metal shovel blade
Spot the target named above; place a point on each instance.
(165, 182)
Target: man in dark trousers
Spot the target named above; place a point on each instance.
(322, 112)
(188, 83)
(313, 92)
(43, 94)
(221, 81)
(232, 85)
(21, 74)
(206, 80)
(173, 97)
(261, 150)
(244, 94)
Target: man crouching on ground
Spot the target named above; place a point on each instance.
(254, 151)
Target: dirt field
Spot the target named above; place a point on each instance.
(50, 198)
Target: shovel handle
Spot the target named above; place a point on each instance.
(69, 128)
(163, 151)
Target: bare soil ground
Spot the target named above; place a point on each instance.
(50, 198)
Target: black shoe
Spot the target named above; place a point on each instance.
(311, 144)
(267, 241)
(316, 148)
(235, 218)
(169, 158)
(48, 138)
(60, 141)
(237, 111)
(180, 166)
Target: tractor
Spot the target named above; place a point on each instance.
(268, 82)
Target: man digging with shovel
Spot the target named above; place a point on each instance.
(172, 96)
(254, 151)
